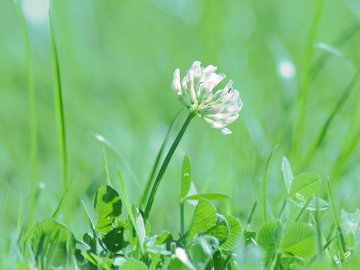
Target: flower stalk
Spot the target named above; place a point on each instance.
(166, 163)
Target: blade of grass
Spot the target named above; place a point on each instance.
(248, 222)
(303, 209)
(106, 166)
(59, 102)
(336, 218)
(283, 206)
(305, 82)
(154, 169)
(266, 173)
(318, 141)
(318, 228)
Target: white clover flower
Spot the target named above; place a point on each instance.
(195, 91)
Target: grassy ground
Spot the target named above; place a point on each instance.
(294, 63)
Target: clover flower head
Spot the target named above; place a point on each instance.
(218, 108)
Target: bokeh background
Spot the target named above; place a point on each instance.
(117, 59)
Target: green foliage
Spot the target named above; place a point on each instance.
(132, 265)
(107, 204)
(123, 92)
(300, 240)
(268, 237)
(304, 187)
(204, 218)
(233, 238)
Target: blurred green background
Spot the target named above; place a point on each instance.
(117, 59)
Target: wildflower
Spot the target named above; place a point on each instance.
(195, 91)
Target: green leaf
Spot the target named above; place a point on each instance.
(107, 204)
(185, 177)
(48, 242)
(250, 237)
(268, 237)
(114, 239)
(132, 264)
(300, 240)
(289, 261)
(235, 230)
(220, 230)
(140, 227)
(163, 237)
(104, 263)
(208, 196)
(157, 244)
(287, 173)
(204, 218)
(181, 260)
(201, 250)
(304, 187)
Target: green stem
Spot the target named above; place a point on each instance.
(165, 164)
(156, 164)
(182, 219)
